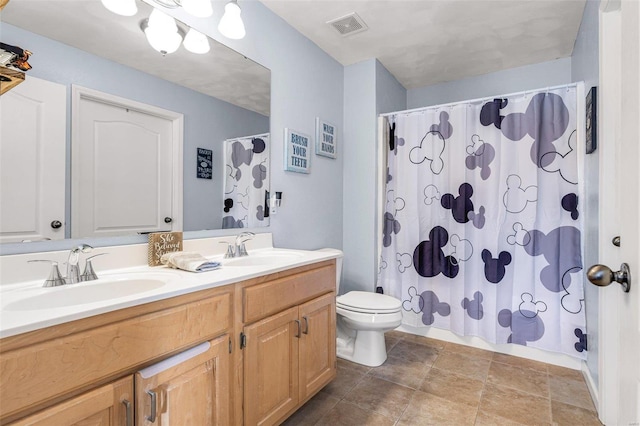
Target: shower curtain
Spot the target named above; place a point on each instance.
(246, 182)
(482, 225)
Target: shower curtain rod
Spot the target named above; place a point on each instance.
(408, 111)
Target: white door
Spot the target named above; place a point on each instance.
(619, 331)
(126, 173)
(32, 161)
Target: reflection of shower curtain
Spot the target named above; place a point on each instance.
(246, 181)
(482, 225)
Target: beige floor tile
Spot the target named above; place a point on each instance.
(312, 411)
(523, 379)
(428, 409)
(353, 366)
(468, 351)
(571, 392)
(346, 379)
(426, 341)
(453, 387)
(567, 373)
(484, 419)
(569, 415)
(390, 342)
(414, 352)
(345, 414)
(515, 406)
(380, 396)
(476, 368)
(517, 361)
(404, 372)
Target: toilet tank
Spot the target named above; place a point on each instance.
(339, 257)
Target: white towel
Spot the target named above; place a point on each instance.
(188, 261)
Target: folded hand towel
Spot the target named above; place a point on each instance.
(189, 261)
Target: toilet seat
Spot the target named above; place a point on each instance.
(368, 303)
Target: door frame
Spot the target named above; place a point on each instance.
(609, 133)
(79, 93)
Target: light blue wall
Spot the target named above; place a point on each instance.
(369, 90)
(208, 121)
(305, 83)
(584, 67)
(536, 76)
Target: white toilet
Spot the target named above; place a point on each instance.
(362, 319)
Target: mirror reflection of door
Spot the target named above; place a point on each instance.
(32, 161)
(127, 166)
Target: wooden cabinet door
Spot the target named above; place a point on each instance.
(191, 388)
(317, 344)
(271, 368)
(109, 405)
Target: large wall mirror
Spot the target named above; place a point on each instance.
(222, 97)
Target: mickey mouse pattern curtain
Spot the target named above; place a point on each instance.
(482, 225)
(246, 182)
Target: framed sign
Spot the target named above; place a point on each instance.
(591, 120)
(297, 154)
(161, 243)
(205, 163)
(325, 138)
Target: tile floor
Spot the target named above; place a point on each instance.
(430, 382)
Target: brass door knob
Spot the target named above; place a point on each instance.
(602, 276)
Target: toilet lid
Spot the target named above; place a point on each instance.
(368, 302)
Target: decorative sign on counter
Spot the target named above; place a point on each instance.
(205, 163)
(325, 138)
(161, 243)
(297, 154)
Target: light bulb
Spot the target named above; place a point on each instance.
(196, 42)
(231, 25)
(121, 7)
(198, 8)
(163, 41)
(161, 20)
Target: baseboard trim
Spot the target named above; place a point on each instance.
(509, 349)
(591, 385)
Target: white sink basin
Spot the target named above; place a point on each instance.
(108, 288)
(266, 258)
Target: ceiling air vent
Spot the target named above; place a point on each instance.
(349, 24)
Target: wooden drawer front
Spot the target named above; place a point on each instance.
(33, 375)
(269, 298)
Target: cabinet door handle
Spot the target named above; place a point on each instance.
(128, 412)
(154, 400)
(298, 329)
(306, 325)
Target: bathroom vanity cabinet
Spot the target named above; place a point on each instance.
(289, 355)
(88, 371)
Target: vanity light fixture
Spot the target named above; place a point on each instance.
(231, 25)
(196, 42)
(197, 8)
(162, 32)
(121, 7)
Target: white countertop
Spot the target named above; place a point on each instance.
(18, 317)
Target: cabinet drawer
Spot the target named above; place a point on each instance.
(39, 373)
(271, 297)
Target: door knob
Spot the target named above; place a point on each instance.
(602, 276)
(168, 219)
(56, 224)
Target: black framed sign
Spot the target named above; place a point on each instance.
(205, 163)
(591, 120)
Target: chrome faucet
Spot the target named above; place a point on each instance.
(242, 238)
(73, 269)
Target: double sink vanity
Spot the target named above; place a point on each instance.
(248, 343)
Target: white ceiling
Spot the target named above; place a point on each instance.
(424, 42)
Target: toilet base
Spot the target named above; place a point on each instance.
(366, 348)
